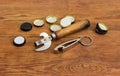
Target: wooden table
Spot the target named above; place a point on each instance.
(100, 59)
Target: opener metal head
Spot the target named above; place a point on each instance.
(46, 42)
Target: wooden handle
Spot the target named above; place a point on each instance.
(73, 28)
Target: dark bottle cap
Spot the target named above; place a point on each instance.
(101, 28)
(26, 26)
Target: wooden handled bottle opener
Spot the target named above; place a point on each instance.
(45, 43)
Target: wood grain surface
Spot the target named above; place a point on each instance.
(100, 59)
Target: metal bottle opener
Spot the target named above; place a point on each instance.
(47, 39)
(67, 44)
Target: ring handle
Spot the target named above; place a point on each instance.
(86, 44)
